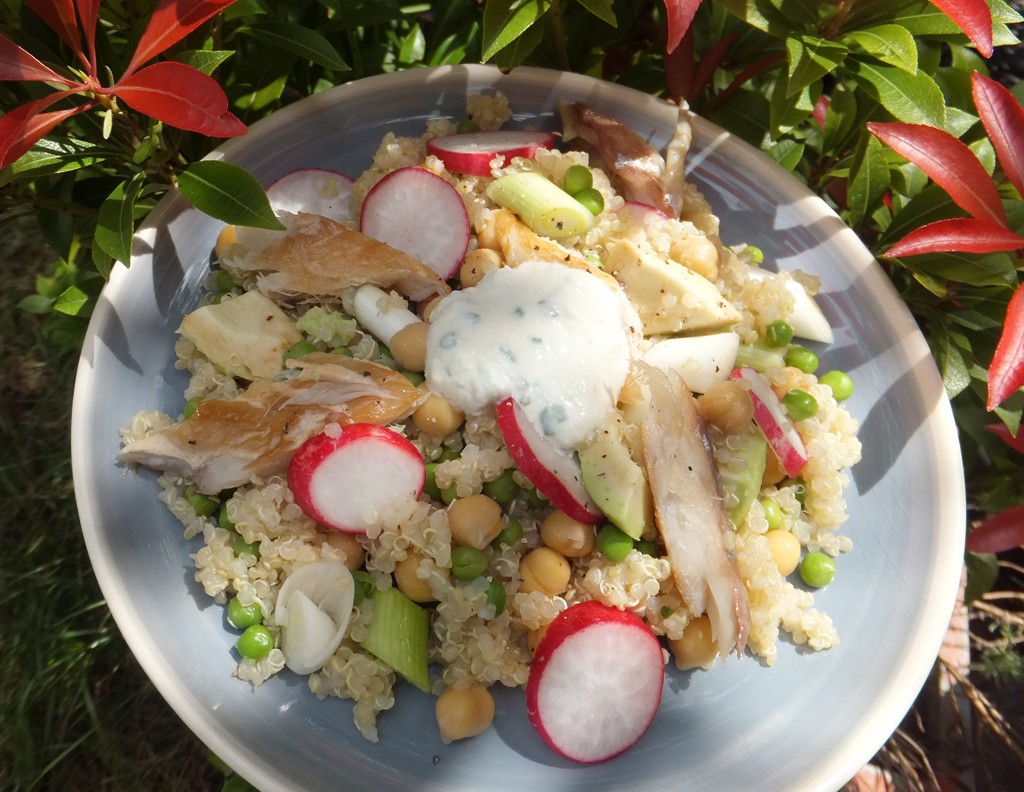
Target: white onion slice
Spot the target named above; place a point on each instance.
(313, 610)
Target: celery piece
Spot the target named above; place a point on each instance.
(544, 206)
(742, 476)
(759, 358)
(398, 636)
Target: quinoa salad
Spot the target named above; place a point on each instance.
(568, 390)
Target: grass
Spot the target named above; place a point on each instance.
(78, 713)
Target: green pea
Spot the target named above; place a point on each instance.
(800, 404)
(223, 521)
(536, 499)
(817, 569)
(430, 482)
(755, 253)
(840, 383)
(364, 586)
(243, 616)
(772, 513)
(800, 489)
(414, 377)
(648, 548)
(468, 563)
(510, 534)
(255, 642)
(241, 546)
(503, 489)
(344, 351)
(592, 200)
(191, 406)
(577, 179)
(666, 611)
(223, 282)
(778, 333)
(802, 358)
(299, 349)
(203, 505)
(496, 595)
(613, 543)
(466, 125)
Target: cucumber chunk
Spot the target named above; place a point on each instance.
(741, 479)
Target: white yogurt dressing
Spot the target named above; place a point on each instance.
(552, 337)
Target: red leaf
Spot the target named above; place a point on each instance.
(170, 22)
(17, 64)
(974, 18)
(948, 162)
(1003, 118)
(59, 16)
(1000, 430)
(999, 533)
(24, 125)
(678, 19)
(962, 234)
(180, 96)
(1006, 372)
(821, 110)
(89, 14)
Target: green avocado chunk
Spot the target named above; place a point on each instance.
(617, 484)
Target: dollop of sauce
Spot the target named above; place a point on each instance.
(552, 337)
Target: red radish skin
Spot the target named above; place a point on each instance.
(339, 479)
(554, 472)
(472, 153)
(419, 213)
(314, 191)
(595, 682)
(770, 415)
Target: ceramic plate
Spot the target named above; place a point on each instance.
(807, 723)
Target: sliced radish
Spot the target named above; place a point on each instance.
(313, 191)
(313, 610)
(344, 480)
(701, 361)
(807, 320)
(380, 313)
(595, 682)
(554, 472)
(644, 213)
(771, 416)
(473, 153)
(419, 213)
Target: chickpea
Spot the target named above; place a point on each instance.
(409, 346)
(567, 536)
(415, 588)
(773, 470)
(475, 521)
(437, 417)
(785, 550)
(544, 570)
(349, 546)
(698, 254)
(427, 306)
(696, 648)
(226, 238)
(728, 406)
(464, 712)
(477, 264)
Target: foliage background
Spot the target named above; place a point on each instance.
(798, 79)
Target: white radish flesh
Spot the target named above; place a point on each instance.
(313, 191)
(313, 610)
(381, 313)
(419, 213)
(345, 480)
(595, 682)
(554, 472)
(474, 153)
(701, 361)
(807, 320)
(770, 415)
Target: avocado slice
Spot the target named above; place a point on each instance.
(743, 480)
(615, 481)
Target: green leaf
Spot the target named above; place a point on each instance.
(928, 20)
(520, 49)
(787, 152)
(204, 60)
(602, 9)
(891, 44)
(115, 223)
(303, 42)
(982, 573)
(760, 15)
(841, 120)
(71, 301)
(36, 304)
(810, 59)
(991, 269)
(912, 98)
(803, 13)
(414, 45)
(869, 179)
(228, 193)
(931, 204)
(52, 155)
(788, 110)
(507, 20)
